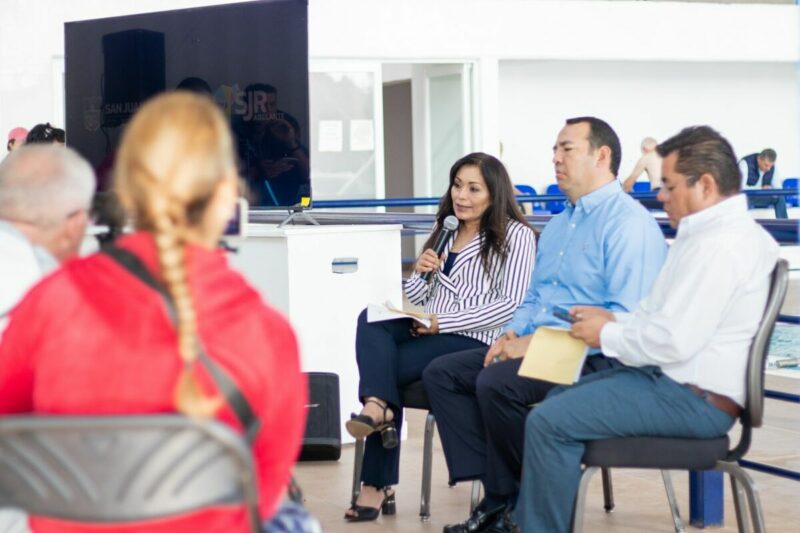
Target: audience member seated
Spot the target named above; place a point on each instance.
(683, 350)
(16, 138)
(473, 289)
(45, 193)
(45, 134)
(759, 172)
(649, 162)
(94, 339)
(604, 248)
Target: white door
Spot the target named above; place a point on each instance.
(442, 98)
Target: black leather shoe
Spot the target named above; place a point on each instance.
(479, 520)
(504, 524)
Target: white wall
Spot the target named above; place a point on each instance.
(528, 29)
(755, 105)
(664, 38)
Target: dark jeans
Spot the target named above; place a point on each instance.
(481, 414)
(389, 359)
(777, 202)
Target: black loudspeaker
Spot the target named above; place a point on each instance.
(134, 70)
(323, 438)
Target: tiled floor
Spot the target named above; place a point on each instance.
(641, 503)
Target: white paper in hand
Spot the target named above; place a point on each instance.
(382, 312)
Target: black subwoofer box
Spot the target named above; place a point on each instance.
(323, 438)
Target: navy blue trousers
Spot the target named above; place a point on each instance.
(480, 413)
(776, 202)
(621, 402)
(389, 359)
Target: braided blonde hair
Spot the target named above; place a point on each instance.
(173, 156)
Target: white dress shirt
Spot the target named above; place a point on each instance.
(21, 265)
(698, 321)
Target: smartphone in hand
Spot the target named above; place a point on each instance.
(563, 314)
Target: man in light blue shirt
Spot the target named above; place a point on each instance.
(604, 249)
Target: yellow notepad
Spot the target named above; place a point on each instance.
(554, 356)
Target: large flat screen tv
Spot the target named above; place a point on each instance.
(251, 58)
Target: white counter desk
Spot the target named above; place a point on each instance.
(321, 277)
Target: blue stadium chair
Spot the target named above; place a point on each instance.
(525, 189)
(554, 206)
(792, 184)
(641, 186)
(538, 207)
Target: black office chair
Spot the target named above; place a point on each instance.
(414, 397)
(700, 454)
(116, 469)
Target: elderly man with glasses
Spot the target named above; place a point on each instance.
(45, 194)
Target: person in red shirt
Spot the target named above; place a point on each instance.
(93, 339)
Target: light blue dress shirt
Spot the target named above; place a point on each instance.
(606, 250)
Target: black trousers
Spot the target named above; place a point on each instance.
(653, 204)
(389, 359)
(481, 414)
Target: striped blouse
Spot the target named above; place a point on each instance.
(471, 302)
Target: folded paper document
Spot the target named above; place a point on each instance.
(386, 311)
(554, 356)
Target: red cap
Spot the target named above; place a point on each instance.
(17, 134)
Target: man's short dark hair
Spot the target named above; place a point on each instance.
(601, 134)
(768, 154)
(702, 150)
(195, 85)
(44, 134)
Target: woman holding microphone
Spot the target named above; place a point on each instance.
(470, 287)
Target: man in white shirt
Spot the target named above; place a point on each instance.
(685, 346)
(759, 172)
(45, 194)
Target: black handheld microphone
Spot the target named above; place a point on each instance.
(448, 227)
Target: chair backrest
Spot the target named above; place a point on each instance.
(554, 206)
(531, 191)
(792, 184)
(753, 413)
(115, 469)
(641, 186)
(779, 282)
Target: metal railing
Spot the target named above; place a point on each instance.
(785, 231)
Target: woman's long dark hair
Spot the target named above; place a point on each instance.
(502, 206)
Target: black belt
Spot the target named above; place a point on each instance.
(721, 402)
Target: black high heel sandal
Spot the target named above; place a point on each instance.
(362, 513)
(361, 426)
